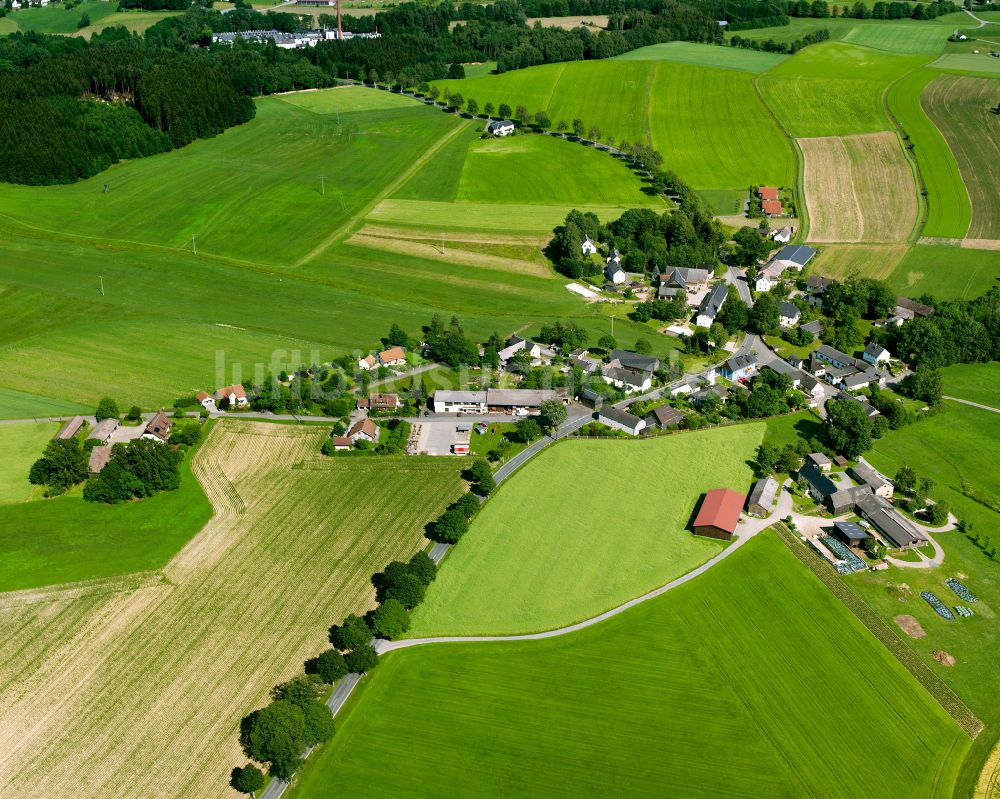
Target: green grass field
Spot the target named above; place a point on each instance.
(968, 62)
(946, 272)
(740, 683)
(948, 208)
(834, 89)
(22, 445)
(907, 37)
(168, 319)
(953, 447)
(976, 382)
(59, 19)
(705, 55)
(708, 123)
(62, 540)
(960, 107)
(564, 540)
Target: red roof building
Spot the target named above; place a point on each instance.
(719, 514)
(768, 193)
(771, 207)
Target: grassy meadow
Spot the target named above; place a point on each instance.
(904, 36)
(169, 669)
(948, 208)
(738, 684)
(708, 123)
(705, 55)
(960, 107)
(22, 444)
(65, 540)
(834, 89)
(946, 272)
(954, 449)
(976, 382)
(567, 538)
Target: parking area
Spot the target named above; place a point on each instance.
(437, 436)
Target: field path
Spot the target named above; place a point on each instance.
(342, 230)
(973, 404)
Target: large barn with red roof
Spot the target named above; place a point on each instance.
(719, 514)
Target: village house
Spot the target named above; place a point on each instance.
(811, 387)
(363, 430)
(368, 362)
(815, 327)
(783, 236)
(788, 315)
(686, 386)
(879, 484)
(768, 278)
(816, 287)
(232, 396)
(591, 398)
(342, 444)
(793, 256)
(614, 273)
(740, 367)
(515, 401)
(380, 403)
(762, 496)
(537, 353)
(771, 207)
(711, 305)
(103, 430)
(394, 356)
(907, 310)
(821, 461)
(628, 380)
(687, 279)
(783, 368)
(697, 399)
(620, 420)
(875, 354)
(767, 192)
(588, 247)
(500, 127)
(664, 417)
(206, 401)
(158, 428)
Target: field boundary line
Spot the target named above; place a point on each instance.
(343, 229)
(923, 208)
(61, 592)
(800, 162)
(949, 701)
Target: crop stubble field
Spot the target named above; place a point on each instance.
(738, 683)
(960, 107)
(135, 694)
(858, 188)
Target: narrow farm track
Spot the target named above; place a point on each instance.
(138, 694)
(343, 229)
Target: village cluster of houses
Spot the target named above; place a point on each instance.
(291, 41)
(109, 432)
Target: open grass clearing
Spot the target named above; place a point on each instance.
(976, 382)
(22, 445)
(651, 702)
(953, 448)
(66, 540)
(60, 19)
(150, 700)
(902, 36)
(946, 272)
(561, 541)
(706, 55)
(961, 108)
(594, 21)
(25, 405)
(134, 21)
(949, 209)
(834, 89)
(858, 188)
(709, 123)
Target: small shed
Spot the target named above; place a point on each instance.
(821, 461)
(851, 534)
(762, 496)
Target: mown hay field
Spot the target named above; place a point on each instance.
(139, 694)
(739, 683)
(948, 208)
(567, 537)
(902, 36)
(709, 124)
(833, 89)
(858, 188)
(961, 108)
